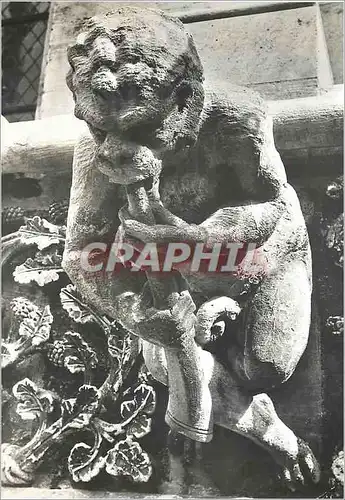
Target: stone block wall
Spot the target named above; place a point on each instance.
(282, 50)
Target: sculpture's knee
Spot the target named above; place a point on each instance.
(258, 373)
(263, 374)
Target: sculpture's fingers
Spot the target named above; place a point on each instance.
(164, 216)
(184, 307)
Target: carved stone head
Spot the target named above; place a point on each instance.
(136, 76)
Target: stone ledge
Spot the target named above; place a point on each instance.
(308, 129)
(70, 493)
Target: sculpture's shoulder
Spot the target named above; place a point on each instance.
(237, 131)
(236, 120)
(239, 108)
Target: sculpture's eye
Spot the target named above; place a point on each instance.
(102, 94)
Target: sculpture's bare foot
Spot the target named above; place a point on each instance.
(293, 456)
(299, 469)
(253, 417)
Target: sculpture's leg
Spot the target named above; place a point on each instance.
(189, 408)
(275, 328)
(251, 416)
(255, 417)
(275, 335)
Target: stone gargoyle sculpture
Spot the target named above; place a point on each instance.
(196, 164)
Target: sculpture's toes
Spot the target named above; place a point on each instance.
(11, 472)
(302, 469)
(292, 477)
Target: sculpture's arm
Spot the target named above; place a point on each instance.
(265, 193)
(251, 223)
(92, 220)
(116, 291)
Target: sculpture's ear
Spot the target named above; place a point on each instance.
(184, 92)
(190, 100)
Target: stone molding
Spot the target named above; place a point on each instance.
(306, 129)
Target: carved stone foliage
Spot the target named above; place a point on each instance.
(328, 254)
(332, 228)
(74, 387)
(333, 221)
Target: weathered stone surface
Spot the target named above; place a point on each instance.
(299, 401)
(66, 16)
(274, 52)
(279, 53)
(332, 14)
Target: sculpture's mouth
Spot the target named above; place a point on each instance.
(121, 174)
(147, 183)
(126, 170)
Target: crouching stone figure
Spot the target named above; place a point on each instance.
(196, 164)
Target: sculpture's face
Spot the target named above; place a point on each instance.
(116, 95)
(126, 84)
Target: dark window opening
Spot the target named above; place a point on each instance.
(24, 26)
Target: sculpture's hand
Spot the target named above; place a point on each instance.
(165, 327)
(160, 233)
(163, 216)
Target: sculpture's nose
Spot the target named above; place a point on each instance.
(104, 83)
(102, 56)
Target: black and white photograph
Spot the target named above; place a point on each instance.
(172, 250)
